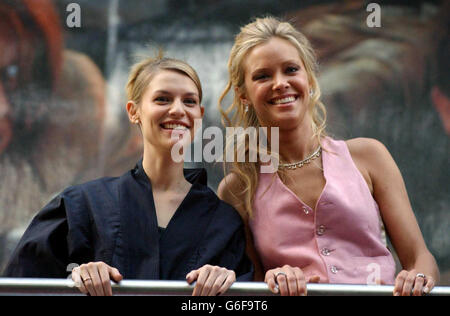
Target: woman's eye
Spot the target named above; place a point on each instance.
(162, 99)
(291, 69)
(190, 101)
(260, 77)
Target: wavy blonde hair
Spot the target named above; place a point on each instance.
(253, 34)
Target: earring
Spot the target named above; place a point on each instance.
(311, 93)
(245, 106)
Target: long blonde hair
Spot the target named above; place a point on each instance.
(253, 34)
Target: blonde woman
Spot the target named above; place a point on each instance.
(157, 221)
(319, 217)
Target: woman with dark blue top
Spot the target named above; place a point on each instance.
(158, 221)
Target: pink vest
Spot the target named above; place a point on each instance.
(341, 241)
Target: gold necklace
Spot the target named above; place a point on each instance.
(299, 164)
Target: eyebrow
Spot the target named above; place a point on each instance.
(257, 71)
(291, 61)
(167, 92)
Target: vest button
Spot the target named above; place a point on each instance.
(306, 210)
(321, 230)
(326, 251)
(333, 269)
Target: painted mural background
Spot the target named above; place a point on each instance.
(62, 96)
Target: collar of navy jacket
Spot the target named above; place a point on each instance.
(203, 230)
(139, 248)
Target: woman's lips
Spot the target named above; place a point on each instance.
(283, 100)
(174, 127)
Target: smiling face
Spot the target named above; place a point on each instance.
(276, 84)
(169, 106)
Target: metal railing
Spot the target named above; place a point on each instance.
(26, 286)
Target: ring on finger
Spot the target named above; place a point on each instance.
(420, 275)
(280, 273)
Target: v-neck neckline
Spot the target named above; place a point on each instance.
(197, 178)
(177, 210)
(322, 157)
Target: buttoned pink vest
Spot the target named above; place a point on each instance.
(340, 241)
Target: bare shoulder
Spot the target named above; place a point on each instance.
(370, 154)
(365, 146)
(368, 150)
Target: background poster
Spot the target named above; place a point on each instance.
(63, 76)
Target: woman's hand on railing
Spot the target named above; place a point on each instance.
(211, 280)
(412, 283)
(94, 278)
(288, 281)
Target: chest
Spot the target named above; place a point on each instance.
(166, 205)
(307, 183)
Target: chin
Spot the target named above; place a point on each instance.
(286, 122)
(184, 141)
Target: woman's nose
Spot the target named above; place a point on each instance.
(280, 82)
(177, 108)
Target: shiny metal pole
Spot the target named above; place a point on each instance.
(26, 286)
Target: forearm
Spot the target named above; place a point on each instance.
(426, 264)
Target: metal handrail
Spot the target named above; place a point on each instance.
(28, 286)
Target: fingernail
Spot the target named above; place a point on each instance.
(276, 288)
(397, 294)
(426, 290)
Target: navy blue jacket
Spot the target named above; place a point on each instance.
(114, 220)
